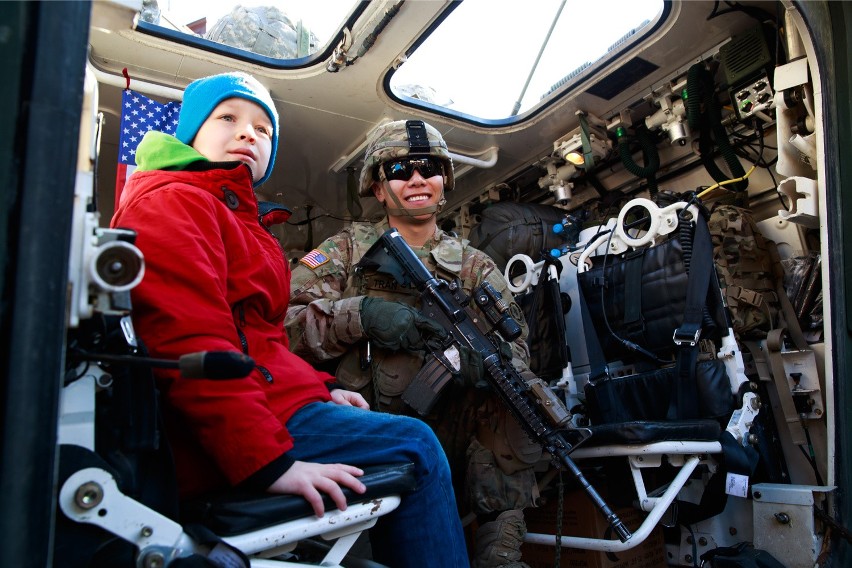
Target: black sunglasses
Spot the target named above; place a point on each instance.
(404, 168)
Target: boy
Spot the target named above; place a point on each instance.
(216, 279)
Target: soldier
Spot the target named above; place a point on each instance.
(369, 327)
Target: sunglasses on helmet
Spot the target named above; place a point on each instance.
(404, 168)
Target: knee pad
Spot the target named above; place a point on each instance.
(489, 489)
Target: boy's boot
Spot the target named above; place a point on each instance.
(498, 543)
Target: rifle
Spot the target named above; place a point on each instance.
(542, 415)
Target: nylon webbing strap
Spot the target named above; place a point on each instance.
(687, 335)
(598, 370)
(588, 156)
(633, 291)
(597, 363)
(353, 201)
(790, 318)
(774, 342)
(700, 268)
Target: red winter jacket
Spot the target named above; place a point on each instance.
(216, 279)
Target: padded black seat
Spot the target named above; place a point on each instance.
(646, 432)
(234, 513)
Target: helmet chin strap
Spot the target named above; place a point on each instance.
(400, 211)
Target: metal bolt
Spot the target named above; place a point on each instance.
(689, 540)
(89, 495)
(688, 558)
(115, 267)
(154, 560)
(702, 541)
(782, 518)
(104, 381)
(146, 531)
(732, 531)
(757, 494)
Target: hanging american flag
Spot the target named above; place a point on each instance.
(139, 114)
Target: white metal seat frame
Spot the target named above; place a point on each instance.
(91, 495)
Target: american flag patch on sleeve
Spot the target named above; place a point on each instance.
(314, 259)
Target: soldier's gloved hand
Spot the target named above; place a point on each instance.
(395, 326)
(471, 369)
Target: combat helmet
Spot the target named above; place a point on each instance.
(400, 139)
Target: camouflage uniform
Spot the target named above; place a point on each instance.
(478, 434)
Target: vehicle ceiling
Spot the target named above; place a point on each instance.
(326, 116)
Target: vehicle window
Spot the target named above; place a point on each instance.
(277, 29)
(486, 59)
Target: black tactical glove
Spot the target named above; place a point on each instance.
(395, 326)
(471, 369)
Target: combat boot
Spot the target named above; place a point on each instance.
(498, 543)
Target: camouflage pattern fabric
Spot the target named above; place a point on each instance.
(748, 268)
(324, 326)
(390, 141)
(498, 543)
(264, 30)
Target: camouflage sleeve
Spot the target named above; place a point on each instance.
(479, 268)
(321, 323)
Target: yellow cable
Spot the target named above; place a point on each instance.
(726, 182)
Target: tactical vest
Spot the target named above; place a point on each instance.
(380, 375)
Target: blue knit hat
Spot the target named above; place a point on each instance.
(204, 95)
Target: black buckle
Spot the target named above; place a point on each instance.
(418, 140)
(687, 334)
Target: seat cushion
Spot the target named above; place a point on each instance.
(645, 432)
(233, 513)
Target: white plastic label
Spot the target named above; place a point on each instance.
(454, 357)
(737, 485)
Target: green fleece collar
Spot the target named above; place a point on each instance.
(161, 151)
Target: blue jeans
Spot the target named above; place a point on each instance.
(425, 529)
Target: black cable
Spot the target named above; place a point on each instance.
(812, 463)
(809, 455)
(631, 346)
(704, 116)
(82, 373)
(761, 161)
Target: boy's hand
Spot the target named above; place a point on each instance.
(308, 479)
(349, 398)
